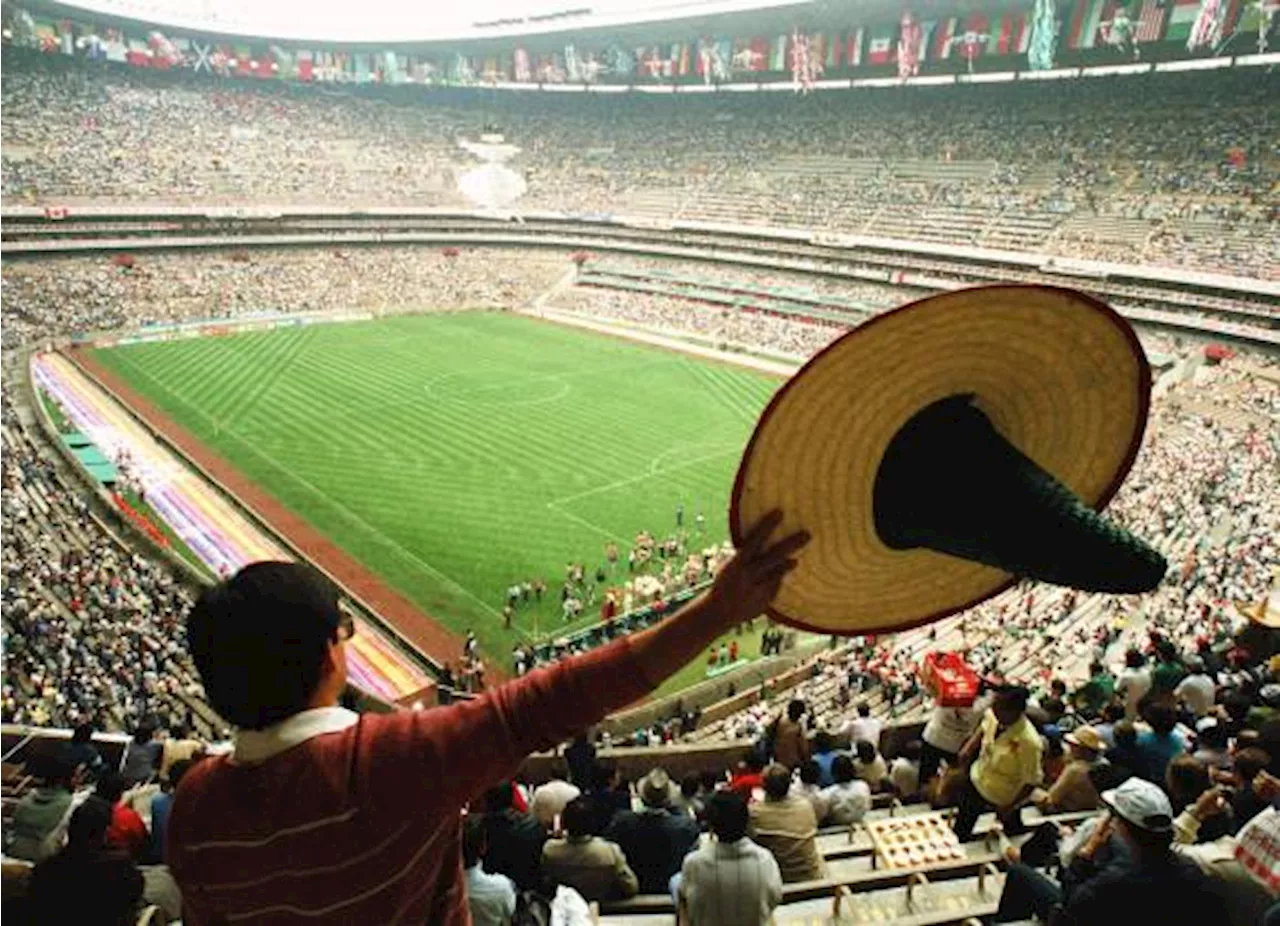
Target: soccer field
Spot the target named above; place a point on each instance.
(456, 454)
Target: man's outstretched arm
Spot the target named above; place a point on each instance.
(469, 746)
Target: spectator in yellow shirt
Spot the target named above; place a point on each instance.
(1005, 754)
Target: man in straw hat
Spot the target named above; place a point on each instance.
(1075, 789)
(1144, 877)
(656, 838)
(313, 789)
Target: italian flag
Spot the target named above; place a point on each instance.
(853, 47)
(942, 39)
(1181, 18)
(1013, 36)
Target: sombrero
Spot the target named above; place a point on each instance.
(941, 451)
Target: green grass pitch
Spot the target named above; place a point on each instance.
(453, 454)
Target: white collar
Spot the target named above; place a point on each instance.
(255, 746)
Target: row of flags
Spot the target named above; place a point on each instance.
(1040, 34)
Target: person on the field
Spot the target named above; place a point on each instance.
(313, 789)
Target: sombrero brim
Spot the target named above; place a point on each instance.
(1059, 374)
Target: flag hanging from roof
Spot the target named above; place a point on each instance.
(1085, 21)
(1182, 15)
(138, 53)
(305, 63)
(1206, 28)
(778, 54)
(1012, 34)
(910, 38)
(117, 50)
(1150, 21)
(880, 48)
(944, 37)
(835, 49)
(853, 47)
(1043, 41)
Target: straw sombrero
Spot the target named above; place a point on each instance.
(942, 450)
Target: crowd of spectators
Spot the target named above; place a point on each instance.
(58, 296)
(1048, 150)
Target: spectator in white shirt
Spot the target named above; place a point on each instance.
(948, 729)
(864, 726)
(1197, 690)
(904, 771)
(849, 798)
(491, 898)
(870, 766)
(731, 881)
(1133, 682)
(549, 799)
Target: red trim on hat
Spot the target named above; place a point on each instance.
(1144, 408)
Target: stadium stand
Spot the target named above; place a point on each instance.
(92, 628)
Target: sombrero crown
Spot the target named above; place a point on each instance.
(942, 450)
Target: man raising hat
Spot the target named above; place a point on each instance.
(324, 816)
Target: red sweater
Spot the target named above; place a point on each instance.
(362, 825)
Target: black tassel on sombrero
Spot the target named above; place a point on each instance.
(941, 451)
(951, 483)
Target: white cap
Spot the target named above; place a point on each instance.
(1142, 804)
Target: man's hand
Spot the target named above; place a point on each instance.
(1209, 804)
(1266, 786)
(1098, 838)
(748, 583)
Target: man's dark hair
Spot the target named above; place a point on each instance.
(777, 781)
(83, 733)
(1134, 659)
(1249, 762)
(500, 797)
(1214, 736)
(727, 816)
(810, 772)
(1162, 716)
(88, 826)
(1014, 696)
(795, 710)
(1186, 779)
(1095, 668)
(753, 761)
(473, 840)
(864, 709)
(708, 781)
(866, 751)
(913, 751)
(689, 785)
(143, 732)
(177, 770)
(580, 817)
(842, 769)
(1113, 713)
(110, 787)
(1126, 733)
(259, 640)
(179, 731)
(823, 741)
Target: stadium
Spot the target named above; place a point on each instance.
(476, 314)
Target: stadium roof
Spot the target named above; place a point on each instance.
(408, 21)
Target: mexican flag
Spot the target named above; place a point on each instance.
(834, 48)
(880, 50)
(853, 47)
(943, 38)
(1181, 17)
(1012, 35)
(306, 66)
